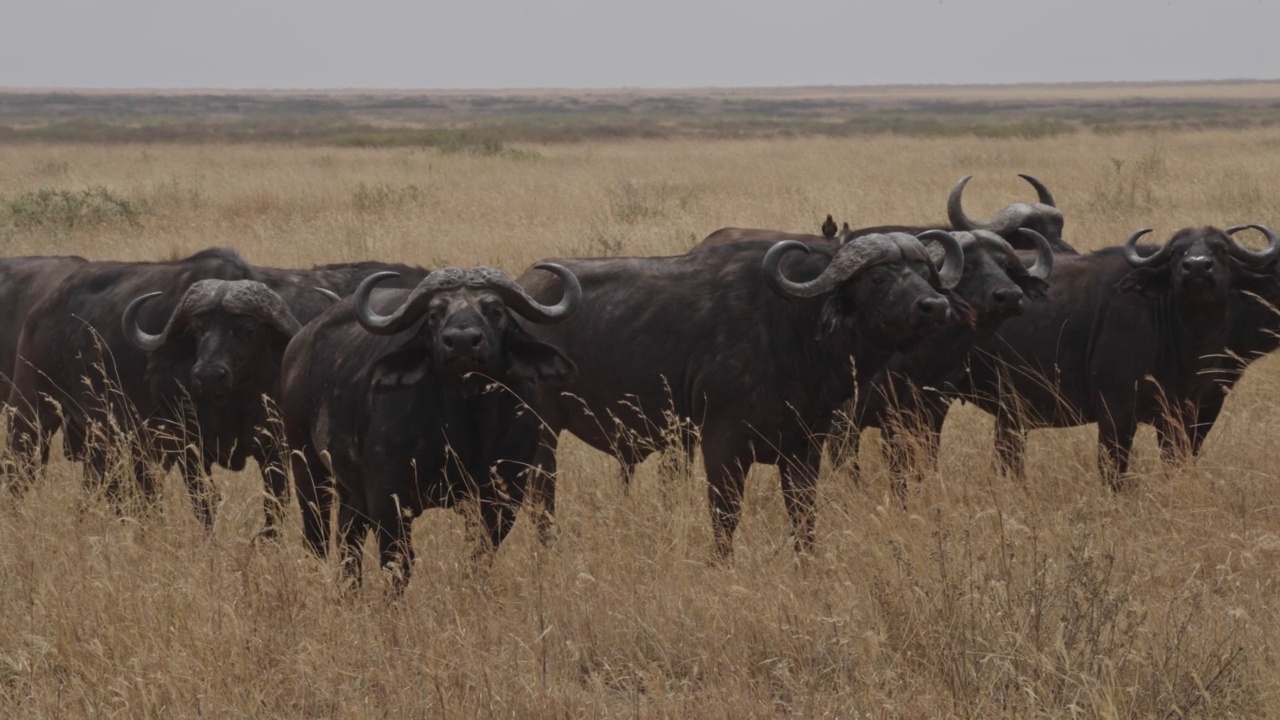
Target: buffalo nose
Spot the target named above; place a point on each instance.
(1197, 264)
(934, 308)
(465, 340)
(1007, 296)
(210, 375)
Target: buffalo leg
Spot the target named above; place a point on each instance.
(799, 492)
(392, 521)
(199, 487)
(353, 525)
(1011, 447)
(542, 487)
(727, 460)
(626, 471)
(1206, 416)
(497, 516)
(275, 485)
(1174, 434)
(1115, 441)
(314, 487)
(29, 436)
(843, 441)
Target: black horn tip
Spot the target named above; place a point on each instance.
(1042, 191)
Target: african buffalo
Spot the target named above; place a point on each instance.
(905, 394)
(1125, 336)
(430, 405)
(208, 373)
(78, 371)
(297, 286)
(1254, 332)
(77, 332)
(1043, 217)
(23, 281)
(751, 343)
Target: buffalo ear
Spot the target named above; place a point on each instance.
(400, 368)
(833, 315)
(1264, 285)
(1147, 282)
(534, 360)
(169, 365)
(1033, 287)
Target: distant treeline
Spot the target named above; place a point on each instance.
(488, 123)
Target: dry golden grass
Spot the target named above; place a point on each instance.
(983, 598)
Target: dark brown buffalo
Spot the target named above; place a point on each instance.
(1254, 333)
(209, 373)
(297, 286)
(1043, 217)
(752, 344)
(905, 394)
(155, 380)
(1125, 336)
(78, 370)
(732, 235)
(429, 405)
(23, 281)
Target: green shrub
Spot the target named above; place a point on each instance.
(68, 209)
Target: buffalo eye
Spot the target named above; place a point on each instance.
(436, 311)
(494, 311)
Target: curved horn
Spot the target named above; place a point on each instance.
(955, 212)
(1045, 196)
(1136, 260)
(780, 284)
(411, 309)
(144, 341)
(851, 258)
(328, 293)
(952, 261)
(518, 299)
(1044, 255)
(1252, 257)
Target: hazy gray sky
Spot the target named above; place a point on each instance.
(653, 43)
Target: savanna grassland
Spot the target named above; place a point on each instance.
(982, 598)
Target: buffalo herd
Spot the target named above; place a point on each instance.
(383, 389)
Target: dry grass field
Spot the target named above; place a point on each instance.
(982, 598)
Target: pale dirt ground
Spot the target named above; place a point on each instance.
(983, 598)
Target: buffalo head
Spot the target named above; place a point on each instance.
(885, 286)
(1043, 216)
(1200, 265)
(226, 330)
(466, 324)
(995, 281)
